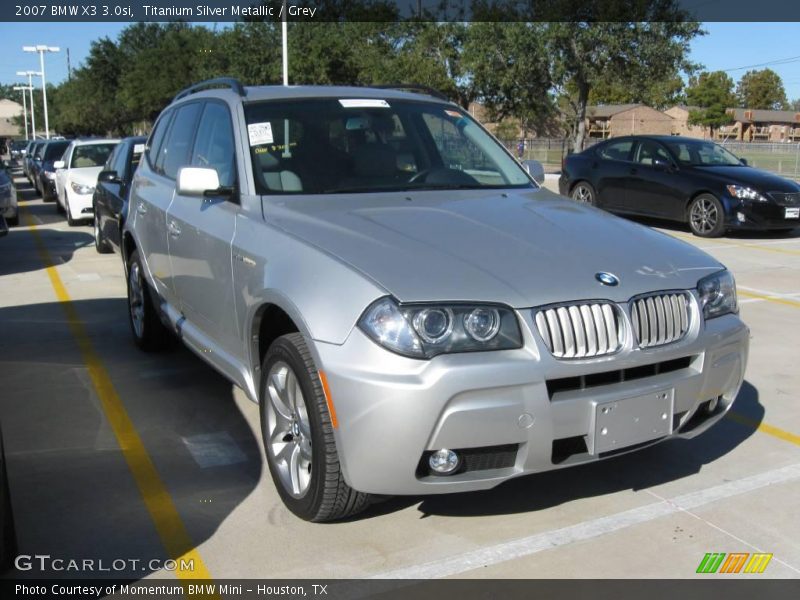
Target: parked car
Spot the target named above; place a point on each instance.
(46, 175)
(411, 311)
(27, 157)
(9, 208)
(111, 193)
(682, 179)
(76, 177)
(34, 163)
(18, 149)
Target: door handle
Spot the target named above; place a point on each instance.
(173, 229)
(141, 208)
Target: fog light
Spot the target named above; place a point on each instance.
(712, 405)
(741, 217)
(443, 461)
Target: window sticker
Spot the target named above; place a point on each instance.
(260, 133)
(138, 148)
(453, 113)
(364, 103)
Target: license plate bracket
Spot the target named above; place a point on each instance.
(621, 423)
(792, 213)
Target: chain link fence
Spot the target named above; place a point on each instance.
(779, 158)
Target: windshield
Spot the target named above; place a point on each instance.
(369, 145)
(54, 150)
(702, 154)
(90, 155)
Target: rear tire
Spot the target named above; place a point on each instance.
(584, 193)
(148, 331)
(706, 216)
(298, 436)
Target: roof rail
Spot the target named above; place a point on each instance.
(412, 87)
(230, 82)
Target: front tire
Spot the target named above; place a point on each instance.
(706, 216)
(70, 221)
(584, 193)
(100, 243)
(148, 331)
(298, 436)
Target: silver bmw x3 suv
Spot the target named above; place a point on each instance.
(413, 313)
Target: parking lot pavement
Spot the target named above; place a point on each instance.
(114, 454)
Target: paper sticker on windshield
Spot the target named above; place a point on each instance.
(364, 103)
(260, 133)
(454, 113)
(138, 148)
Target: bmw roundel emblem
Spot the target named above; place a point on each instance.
(607, 278)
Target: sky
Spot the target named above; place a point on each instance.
(728, 46)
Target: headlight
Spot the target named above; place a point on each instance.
(745, 193)
(423, 331)
(50, 174)
(81, 189)
(718, 295)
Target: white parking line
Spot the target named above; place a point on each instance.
(506, 551)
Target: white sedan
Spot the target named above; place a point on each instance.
(76, 177)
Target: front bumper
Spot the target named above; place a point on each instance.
(47, 187)
(391, 410)
(81, 205)
(759, 215)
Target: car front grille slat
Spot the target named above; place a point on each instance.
(786, 198)
(660, 318)
(581, 330)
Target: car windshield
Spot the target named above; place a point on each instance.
(90, 155)
(351, 145)
(702, 154)
(54, 150)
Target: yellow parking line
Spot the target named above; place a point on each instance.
(159, 503)
(776, 299)
(781, 434)
(729, 242)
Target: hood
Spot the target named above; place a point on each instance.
(520, 249)
(85, 175)
(762, 181)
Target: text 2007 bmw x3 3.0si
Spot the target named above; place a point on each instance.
(412, 312)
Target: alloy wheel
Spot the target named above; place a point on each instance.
(704, 215)
(583, 194)
(288, 429)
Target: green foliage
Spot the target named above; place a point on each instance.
(713, 94)
(761, 90)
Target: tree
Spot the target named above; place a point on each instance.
(761, 89)
(713, 94)
(509, 70)
(585, 55)
(796, 105)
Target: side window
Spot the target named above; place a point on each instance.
(111, 162)
(119, 159)
(616, 150)
(648, 152)
(157, 138)
(175, 151)
(214, 146)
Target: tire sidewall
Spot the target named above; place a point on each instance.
(283, 349)
(592, 201)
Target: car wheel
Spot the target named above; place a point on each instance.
(706, 216)
(298, 436)
(148, 331)
(584, 192)
(13, 221)
(100, 243)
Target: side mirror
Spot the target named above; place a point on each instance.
(534, 169)
(743, 161)
(108, 177)
(196, 181)
(59, 164)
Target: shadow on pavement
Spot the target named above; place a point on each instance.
(73, 493)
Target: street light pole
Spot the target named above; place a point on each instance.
(23, 89)
(29, 75)
(41, 49)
